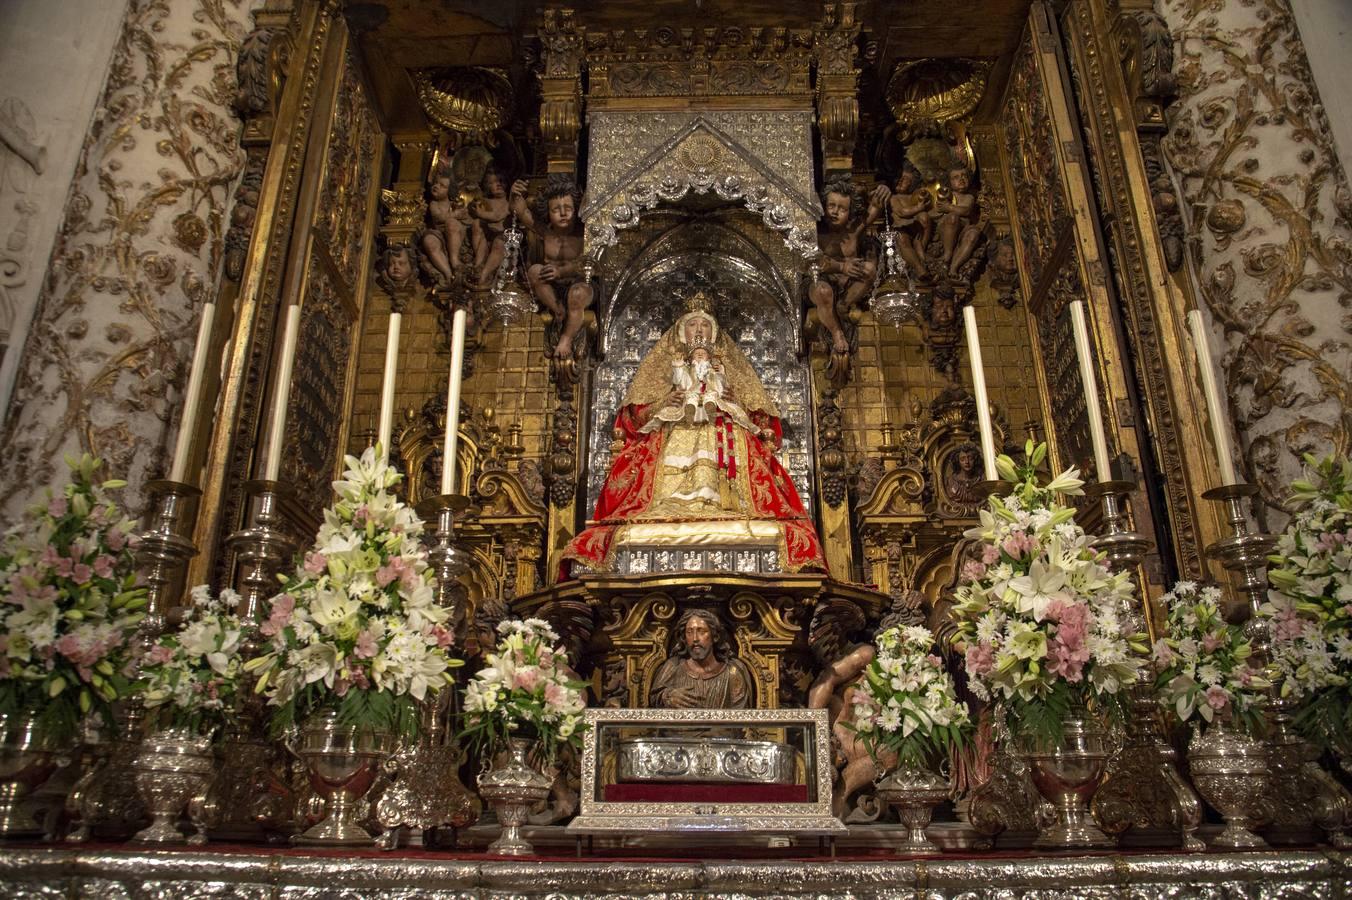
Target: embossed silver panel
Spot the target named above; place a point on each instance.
(706, 759)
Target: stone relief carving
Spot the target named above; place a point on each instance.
(1268, 228)
(21, 158)
(137, 254)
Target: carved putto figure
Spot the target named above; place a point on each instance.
(959, 219)
(701, 672)
(488, 221)
(849, 262)
(397, 270)
(556, 253)
(910, 207)
(447, 224)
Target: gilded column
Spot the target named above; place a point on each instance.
(137, 255)
(1268, 230)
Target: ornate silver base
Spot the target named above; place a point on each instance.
(343, 763)
(1068, 776)
(1231, 773)
(172, 770)
(513, 789)
(914, 793)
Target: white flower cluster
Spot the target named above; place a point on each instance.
(69, 600)
(906, 701)
(359, 613)
(525, 684)
(1039, 606)
(1204, 660)
(196, 670)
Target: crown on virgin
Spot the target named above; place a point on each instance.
(698, 302)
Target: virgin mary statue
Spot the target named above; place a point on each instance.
(694, 462)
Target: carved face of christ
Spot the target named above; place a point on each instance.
(699, 640)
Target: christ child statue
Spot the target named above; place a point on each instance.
(556, 276)
(959, 220)
(488, 216)
(910, 208)
(848, 262)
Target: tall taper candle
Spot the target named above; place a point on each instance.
(387, 386)
(192, 397)
(277, 428)
(1220, 422)
(1080, 327)
(453, 402)
(983, 404)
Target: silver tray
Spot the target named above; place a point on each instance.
(717, 759)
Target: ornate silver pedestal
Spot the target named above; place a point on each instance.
(165, 547)
(171, 771)
(1143, 789)
(423, 790)
(914, 792)
(1231, 772)
(513, 788)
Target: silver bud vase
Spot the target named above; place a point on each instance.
(1067, 775)
(914, 792)
(513, 789)
(28, 757)
(172, 769)
(1230, 771)
(343, 762)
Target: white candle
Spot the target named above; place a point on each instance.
(983, 405)
(1102, 465)
(387, 386)
(1220, 422)
(453, 402)
(193, 396)
(282, 389)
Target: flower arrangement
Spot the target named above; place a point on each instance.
(525, 686)
(69, 602)
(356, 628)
(1037, 611)
(1310, 605)
(192, 673)
(1204, 662)
(906, 704)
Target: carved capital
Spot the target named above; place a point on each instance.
(836, 51)
(1145, 49)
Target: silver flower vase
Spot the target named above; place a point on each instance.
(513, 789)
(27, 759)
(914, 792)
(343, 763)
(1230, 771)
(171, 770)
(1067, 775)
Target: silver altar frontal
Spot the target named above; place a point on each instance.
(758, 771)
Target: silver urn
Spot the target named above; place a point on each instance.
(914, 792)
(1230, 771)
(513, 789)
(28, 757)
(343, 763)
(1067, 775)
(172, 769)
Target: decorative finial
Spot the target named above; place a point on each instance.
(699, 303)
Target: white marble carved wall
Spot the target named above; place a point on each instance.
(50, 77)
(137, 254)
(1269, 230)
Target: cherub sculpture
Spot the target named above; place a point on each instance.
(447, 224)
(959, 219)
(849, 262)
(397, 268)
(488, 220)
(556, 251)
(910, 207)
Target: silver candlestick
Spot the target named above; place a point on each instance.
(165, 547)
(448, 560)
(1245, 552)
(261, 547)
(1143, 786)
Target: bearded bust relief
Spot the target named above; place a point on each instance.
(701, 672)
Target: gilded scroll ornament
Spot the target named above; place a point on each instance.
(469, 103)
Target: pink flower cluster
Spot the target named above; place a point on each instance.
(1068, 651)
(397, 569)
(87, 648)
(1330, 541)
(980, 658)
(282, 608)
